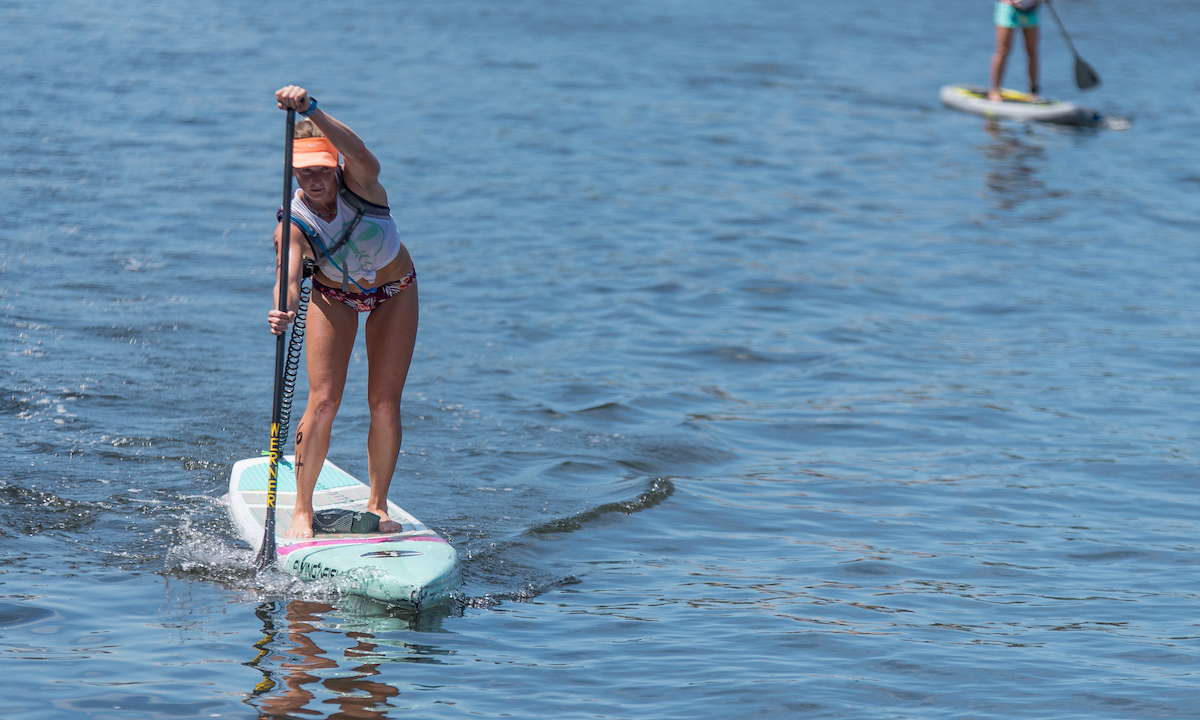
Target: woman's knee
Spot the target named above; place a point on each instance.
(384, 408)
(322, 410)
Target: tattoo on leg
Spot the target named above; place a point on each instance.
(299, 434)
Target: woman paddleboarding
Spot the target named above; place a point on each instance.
(341, 224)
(1010, 15)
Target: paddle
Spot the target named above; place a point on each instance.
(266, 554)
(1085, 77)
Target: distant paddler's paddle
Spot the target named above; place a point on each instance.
(1085, 77)
(266, 554)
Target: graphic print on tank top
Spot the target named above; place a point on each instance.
(372, 245)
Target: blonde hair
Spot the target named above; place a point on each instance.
(307, 129)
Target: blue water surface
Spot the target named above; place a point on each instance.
(751, 382)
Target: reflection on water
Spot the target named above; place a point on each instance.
(297, 668)
(1016, 160)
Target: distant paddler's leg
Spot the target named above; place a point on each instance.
(329, 343)
(1031, 47)
(391, 336)
(1004, 41)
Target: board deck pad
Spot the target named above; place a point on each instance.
(335, 488)
(1006, 95)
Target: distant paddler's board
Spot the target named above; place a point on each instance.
(414, 568)
(1018, 106)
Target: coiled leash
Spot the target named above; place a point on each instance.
(292, 363)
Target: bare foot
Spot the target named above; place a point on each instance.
(386, 524)
(301, 525)
(995, 96)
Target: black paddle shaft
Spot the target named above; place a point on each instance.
(1085, 77)
(266, 554)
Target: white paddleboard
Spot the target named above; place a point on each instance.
(1018, 106)
(415, 568)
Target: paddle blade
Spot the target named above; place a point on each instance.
(266, 554)
(1085, 77)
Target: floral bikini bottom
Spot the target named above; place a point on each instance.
(366, 302)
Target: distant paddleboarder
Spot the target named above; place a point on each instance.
(342, 225)
(1010, 15)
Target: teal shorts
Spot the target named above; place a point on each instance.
(1008, 16)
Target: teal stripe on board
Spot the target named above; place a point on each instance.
(256, 477)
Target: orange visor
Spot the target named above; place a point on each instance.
(313, 152)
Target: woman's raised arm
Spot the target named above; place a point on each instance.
(361, 171)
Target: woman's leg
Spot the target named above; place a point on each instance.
(1004, 41)
(391, 336)
(1031, 47)
(330, 338)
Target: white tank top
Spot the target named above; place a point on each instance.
(372, 245)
